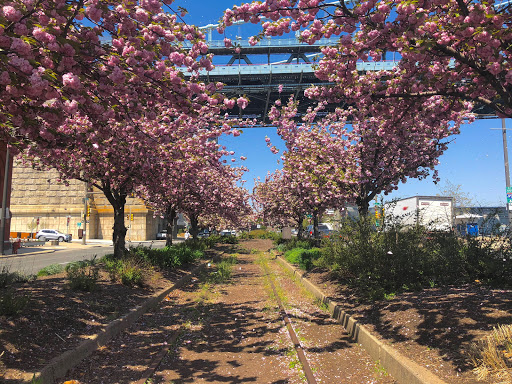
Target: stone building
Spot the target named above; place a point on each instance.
(39, 200)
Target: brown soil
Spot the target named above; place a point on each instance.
(232, 333)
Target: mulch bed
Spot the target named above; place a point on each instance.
(58, 318)
(433, 327)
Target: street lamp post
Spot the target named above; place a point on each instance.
(507, 173)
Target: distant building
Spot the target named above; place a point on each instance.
(39, 201)
(481, 220)
(433, 212)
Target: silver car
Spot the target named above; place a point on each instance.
(52, 234)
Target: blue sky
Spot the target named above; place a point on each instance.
(474, 160)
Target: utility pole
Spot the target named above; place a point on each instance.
(3, 211)
(507, 173)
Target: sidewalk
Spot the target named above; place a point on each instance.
(48, 248)
(77, 244)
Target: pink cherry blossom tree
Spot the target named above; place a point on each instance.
(277, 204)
(348, 156)
(458, 50)
(97, 110)
(108, 60)
(196, 182)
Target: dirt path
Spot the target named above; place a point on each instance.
(232, 333)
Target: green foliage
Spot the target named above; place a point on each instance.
(82, 275)
(169, 257)
(398, 259)
(223, 270)
(286, 245)
(226, 239)
(12, 304)
(260, 234)
(52, 269)
(8, 278)
(304, 258)
(131, 270)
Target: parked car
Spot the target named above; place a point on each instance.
(323, 231)
(203, 234)
(228, 232)
(162, 235)
(52, 234)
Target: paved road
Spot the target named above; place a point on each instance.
(31, 260)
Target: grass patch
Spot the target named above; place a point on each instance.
(302, 257)
(53, 269)
(492, 356)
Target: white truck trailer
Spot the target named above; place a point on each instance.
(433, 212)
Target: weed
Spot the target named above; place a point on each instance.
(82, 276)
(8, 278)
(379, 370)
(389, 296)
(36, 380)
(12, 304)
(52, 269)
(322, 305)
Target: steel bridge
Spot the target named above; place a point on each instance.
(258, 71)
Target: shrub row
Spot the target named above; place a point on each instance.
(398, 259)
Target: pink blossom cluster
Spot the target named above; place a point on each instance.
(454, 49)
(355, 154)
(56, 62)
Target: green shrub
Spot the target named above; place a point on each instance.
(132, 275)
(82, 276)
(170, 257)
(12, 304)
(132, 270)
(260, 234)
(52, 269)
(228, 239)
(8, 278)
(304, 258)
(286, 245)
(397, 258)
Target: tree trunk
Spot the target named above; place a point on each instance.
(363, 205)
(119, 235)
(315, 223)
(118, 200)
(170, 216)
(300, 230)
(194, 230)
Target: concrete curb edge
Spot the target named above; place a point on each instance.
(58, 367)
(403, 369)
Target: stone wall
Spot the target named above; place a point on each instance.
(38, 195)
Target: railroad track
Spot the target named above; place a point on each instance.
(225, 333)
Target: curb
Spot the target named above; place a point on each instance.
(16, 255)
(58, 367)
(401, 368)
